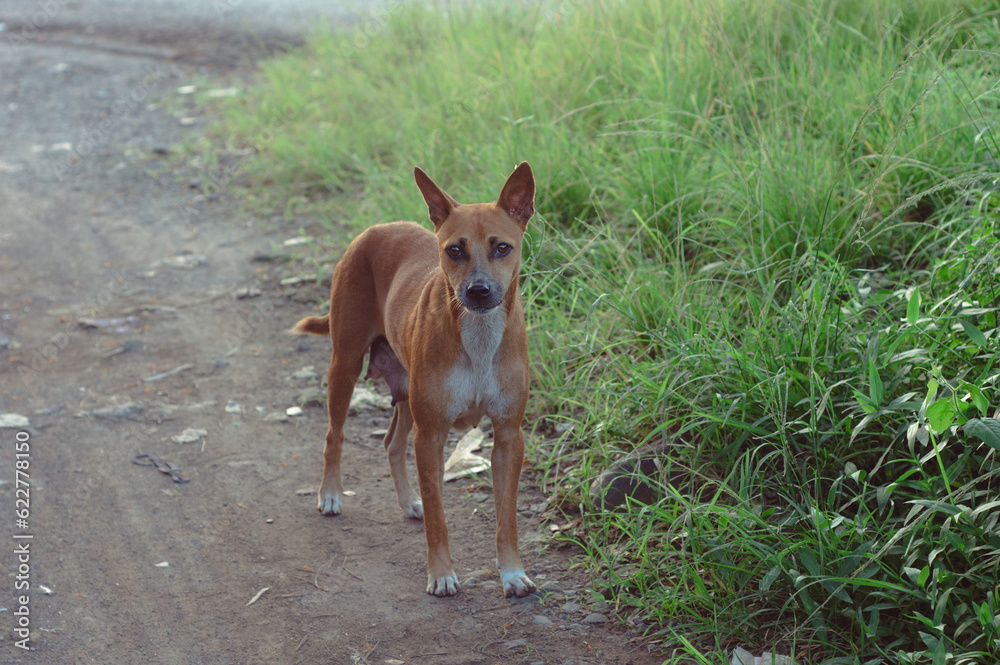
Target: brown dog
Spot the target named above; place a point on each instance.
(440, 316)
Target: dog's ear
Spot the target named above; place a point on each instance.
(439, 204)
(517, 198)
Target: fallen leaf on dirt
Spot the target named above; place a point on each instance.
(257, 596)
(363, 397)
(463, 462)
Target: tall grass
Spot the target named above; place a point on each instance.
(766, 249)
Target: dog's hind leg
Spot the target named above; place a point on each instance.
(396, 441)
(344, 372)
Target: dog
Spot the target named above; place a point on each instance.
(440, 317)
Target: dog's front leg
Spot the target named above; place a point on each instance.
(506, 460)
(428, 446)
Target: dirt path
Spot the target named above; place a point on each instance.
(96, 223)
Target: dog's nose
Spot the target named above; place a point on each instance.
(479, 290)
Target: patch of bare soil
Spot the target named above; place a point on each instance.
(134, 315)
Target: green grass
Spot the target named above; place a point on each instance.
(766, 241)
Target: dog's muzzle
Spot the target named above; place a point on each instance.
(480, 294)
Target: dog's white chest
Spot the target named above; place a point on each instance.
(473, 381)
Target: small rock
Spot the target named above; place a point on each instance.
(234, 407)
(742, 657)
(276, 417)
(551, 586)
(294, 411)
(634, 478)
(246, 293)
(270, 257)
(307, 373)
(186, 89)
(303, 346)
(514, 644)
(161, 150)
(541, 620)
(570, 607)
(185, 261)
(187, 121)
(126, 411)
(190, 435)
(4, 341)
(595, 617)
(312, 397)
(13, 421)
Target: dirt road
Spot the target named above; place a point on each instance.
(121, 327)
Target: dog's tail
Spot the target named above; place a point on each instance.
(312, 325)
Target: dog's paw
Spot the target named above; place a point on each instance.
(415, 511)
(329, 504)
(516, 583)
(443, 586)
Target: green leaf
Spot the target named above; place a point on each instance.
(985, 614)
(974, 333)
(923, 576)
(875, 388)
(769, 579)
(913, 307)
(941, 414)
(810, 562)
(978, 398)
(986, 430)
(940, 653)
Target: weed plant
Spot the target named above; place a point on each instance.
(766, 247)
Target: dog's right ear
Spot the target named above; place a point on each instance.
(439, 204)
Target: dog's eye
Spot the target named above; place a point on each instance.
(454, 251)
(503, 249)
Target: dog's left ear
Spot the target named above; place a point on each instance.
(517, 198)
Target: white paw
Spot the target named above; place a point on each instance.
(415, 510)
(516, 583)
(443, 586)
(329, 504)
